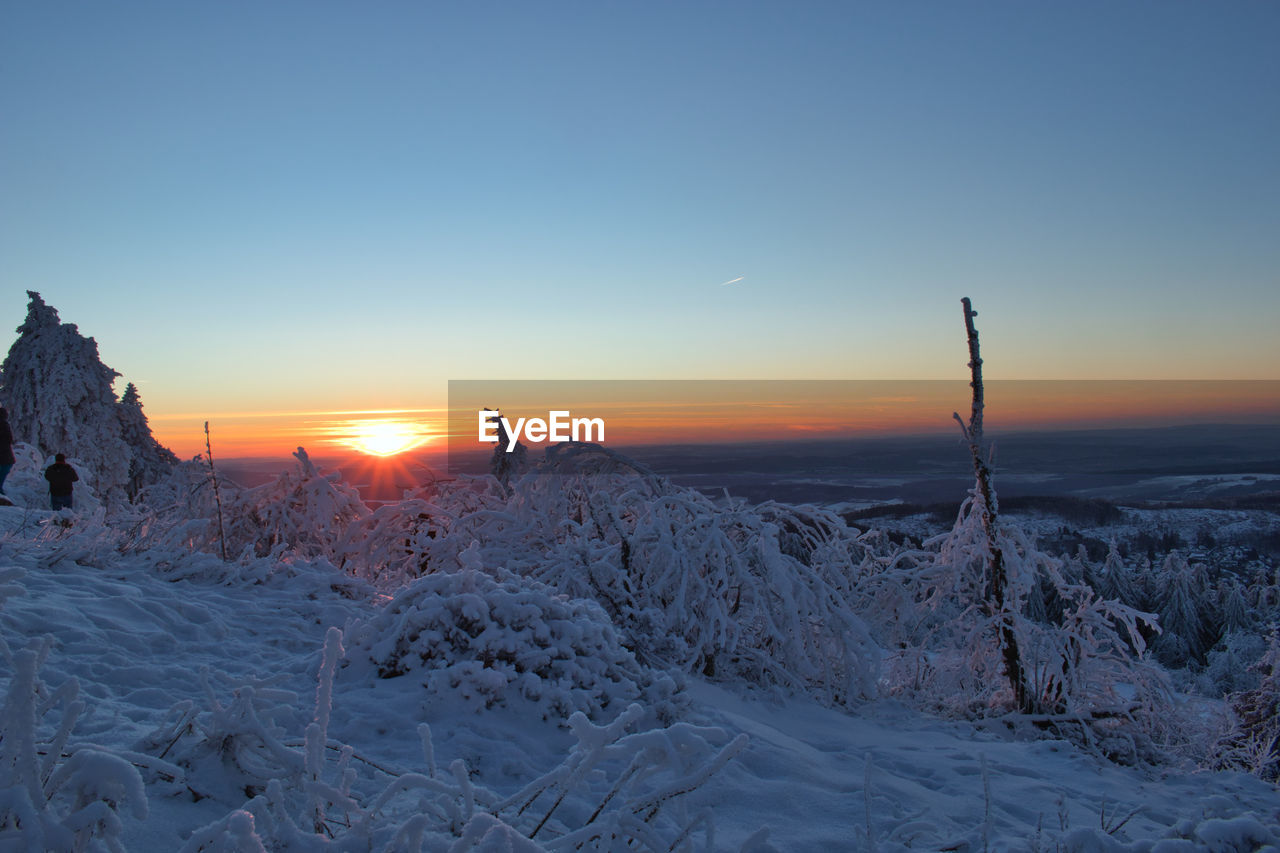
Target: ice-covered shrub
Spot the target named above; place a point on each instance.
(303, 513)
(489, 641)
(51, 539)
(642, 773)
(616, 789)
(141, 539)
(399, 542)
(238, 744)
(1253, 744)
(755, 594)
(57, 796)
(734, 592)
(179, 511)
(1084, 660)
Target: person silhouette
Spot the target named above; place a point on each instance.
(7, 458)
(60, 476)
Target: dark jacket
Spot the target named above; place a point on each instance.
(60, 476)
(6, 443)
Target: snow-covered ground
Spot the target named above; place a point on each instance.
(140, 638)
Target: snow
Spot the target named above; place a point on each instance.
(150, 637)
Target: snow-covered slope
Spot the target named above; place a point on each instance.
(142, 634)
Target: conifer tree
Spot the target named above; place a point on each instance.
(60, 400)
(149, 461)
(1236, 615)
(1117, 580)
(1180, 612)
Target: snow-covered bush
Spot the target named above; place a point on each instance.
(492, 642)
(179, 510)
(615, 789)
(400, 542)
(302, 514)
(754, 594)
(235, 746)
(642, 773)
(1221, 828)
(744, 593)
(737, 593)
(1253, 744)
(1081, 660)
(55, 795)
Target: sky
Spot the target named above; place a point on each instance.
(259, 209)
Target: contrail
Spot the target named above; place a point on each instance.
(732, 280)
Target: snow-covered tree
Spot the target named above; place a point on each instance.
(149, 461)
(1235, 612)
(1117, 579)
(1181, 609)
(60, 399)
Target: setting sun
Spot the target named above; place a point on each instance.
(385, 437)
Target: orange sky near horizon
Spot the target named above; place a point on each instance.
(637, 413)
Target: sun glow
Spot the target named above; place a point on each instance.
(385, 437)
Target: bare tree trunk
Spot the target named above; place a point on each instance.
(217, 496)
(997, 572)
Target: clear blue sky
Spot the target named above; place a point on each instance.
(265, 206)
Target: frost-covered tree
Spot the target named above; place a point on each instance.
(1229, 665)
(1234, 610)
(1181, 609)
(60, 399)
(149, 461)
(1001, 587)
(1117, 579)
